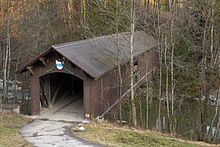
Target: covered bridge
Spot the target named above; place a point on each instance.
(87, 70)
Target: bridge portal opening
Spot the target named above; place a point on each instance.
(61, 94)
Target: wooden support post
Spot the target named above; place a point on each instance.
(35, 95)
(86, 98)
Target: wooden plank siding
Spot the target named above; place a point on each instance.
(111, 81)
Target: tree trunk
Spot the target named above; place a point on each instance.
(158, 4)
(172, 57)
(171, 4)
(147, 97)
(167, 84)
(154, 4)
(118, 59)
(16, 68)
(160, 82)
(1, 50)
(8, 39)
(148, 3)
(167, 5)
(134, 121)
(83, 11)
(212, 66)
(217, 128)
(213, 120)
(204, 86)
(7, 52)
(172, 63)
(141, 114)
(212, 34)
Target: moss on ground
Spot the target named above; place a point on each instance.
(10, 125)
(114, 135)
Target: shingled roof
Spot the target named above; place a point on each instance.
(98, 55)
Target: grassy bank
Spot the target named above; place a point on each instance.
(114, 135)
(10, 125)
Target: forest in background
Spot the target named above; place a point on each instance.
(188, 34)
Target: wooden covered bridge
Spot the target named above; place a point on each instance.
(87, 70)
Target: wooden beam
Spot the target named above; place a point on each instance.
(43, 61)
(29, 68)
(43, 98)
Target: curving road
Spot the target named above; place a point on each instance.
(47, 133)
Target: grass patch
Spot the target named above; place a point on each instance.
(10, 125)
(114, 135)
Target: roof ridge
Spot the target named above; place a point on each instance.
(85, 41)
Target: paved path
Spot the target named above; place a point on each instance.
(41, 133)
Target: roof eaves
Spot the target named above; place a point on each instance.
(22, 69)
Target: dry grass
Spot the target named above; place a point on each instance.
(10, 125)
(114, 135)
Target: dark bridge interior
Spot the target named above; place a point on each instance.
(62, 93)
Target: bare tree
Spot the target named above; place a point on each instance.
(212, 33)
(217, 105)
(147, 97)
(7, 53)
(118, 58)
(132, 24)
(8, 40)
(160, 64)
(167, 81)
(172, 56)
